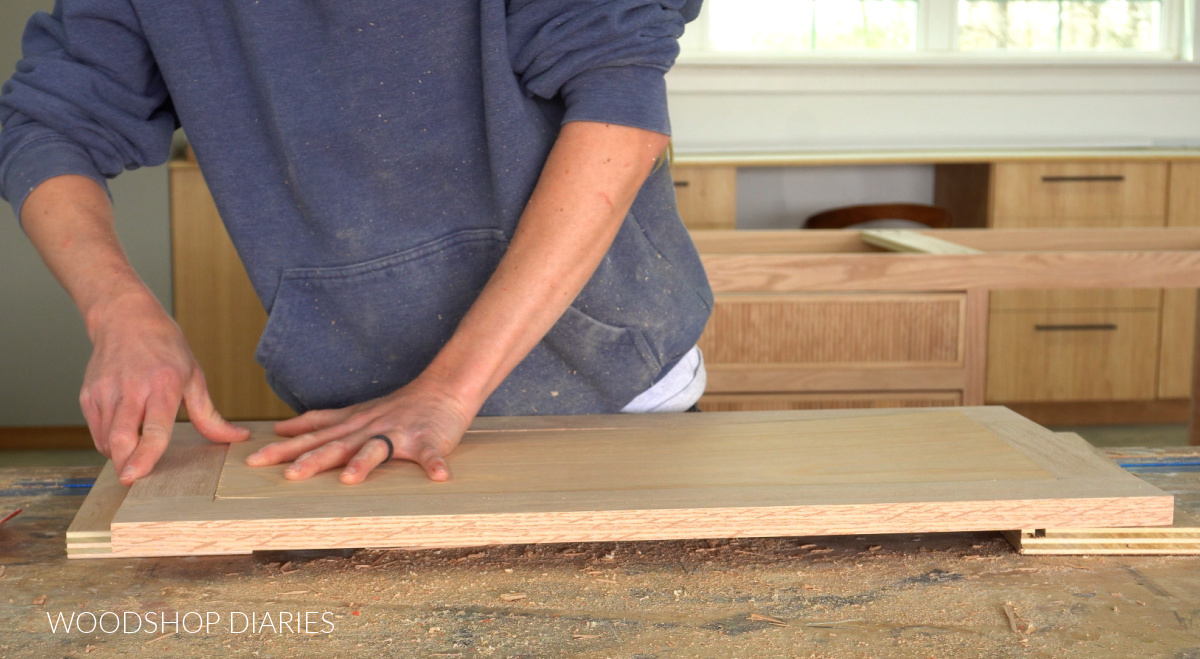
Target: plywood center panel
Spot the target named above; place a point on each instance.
(934, 447)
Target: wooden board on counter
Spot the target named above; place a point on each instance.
(643, 477)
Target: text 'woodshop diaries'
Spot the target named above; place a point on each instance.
(191, 622)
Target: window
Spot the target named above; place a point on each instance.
(1151, 29)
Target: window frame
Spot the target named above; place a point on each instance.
(937, 42)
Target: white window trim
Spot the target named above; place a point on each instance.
(936, 44)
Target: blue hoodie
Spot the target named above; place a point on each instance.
(370, 160)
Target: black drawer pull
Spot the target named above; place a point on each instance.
(1109, 178)
(1088, 327)
(681, 184)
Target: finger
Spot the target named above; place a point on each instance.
(156, 432)
(431, 461)
(333, 454)
(91, 414)
(371, 455)
(311, 422)
(290, 449)
(123, 434)
(106, 410)
(204, 415)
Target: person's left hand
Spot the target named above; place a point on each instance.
(423, 423)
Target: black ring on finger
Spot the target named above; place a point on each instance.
(386, 440)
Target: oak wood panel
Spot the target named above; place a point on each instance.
(738, 378)
(1079, 194)
(869, 329)
(787, 453)
(907, 240)
(215, 306)
(1072, 356)
(975, 337)
(831, 401)
(1166, 239)
(1177, 352)
(733, 273)
(90, 533)
(808, 241)
(1082, 488)
(707, 196)
(1177, 355)
(1146, 299)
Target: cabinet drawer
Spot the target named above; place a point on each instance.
(1072, 356)
(830, 329)
(832, 401)
(1079, 194)
(1144, 299)
(707, 196)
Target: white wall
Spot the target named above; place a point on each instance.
(782, 197)
(43, 346)
(860, 105)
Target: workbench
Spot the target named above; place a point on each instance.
(947, 595)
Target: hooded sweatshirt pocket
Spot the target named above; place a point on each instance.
(341, 335)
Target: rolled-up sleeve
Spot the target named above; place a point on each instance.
(86, 99)
(605, 58)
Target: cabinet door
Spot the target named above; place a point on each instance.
(1176, 358)
(822, 342)
(215, 306)
(707, 196)
(1072, 356)
(1079, 194)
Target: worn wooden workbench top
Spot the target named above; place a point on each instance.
(877, 596)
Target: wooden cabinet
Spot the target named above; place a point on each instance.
(215, 305)
(707, 196)
(766, 351)
(1072, 345)
(1146, 357)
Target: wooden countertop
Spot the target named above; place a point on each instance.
(923, 156)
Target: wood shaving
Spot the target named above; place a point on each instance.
(767, 619)
(1015, 623)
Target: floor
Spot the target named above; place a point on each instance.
(1155, 436)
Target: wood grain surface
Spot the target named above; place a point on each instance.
(729, 487)
(935, 447)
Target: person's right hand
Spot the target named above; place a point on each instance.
(140, 370)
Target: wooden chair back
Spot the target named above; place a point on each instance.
(839, 218)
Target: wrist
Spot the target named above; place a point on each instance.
(457, 383)
(133, 304)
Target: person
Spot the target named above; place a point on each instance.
(448, 209)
